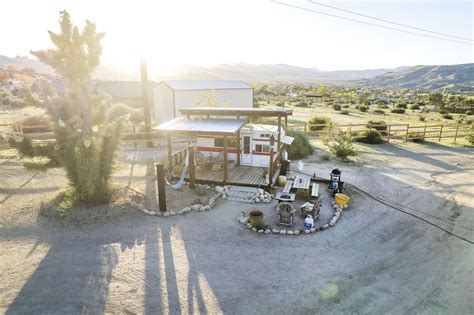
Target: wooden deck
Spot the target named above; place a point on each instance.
(239, 175)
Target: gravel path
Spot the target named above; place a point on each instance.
(376, 259)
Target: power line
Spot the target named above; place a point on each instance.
(391, 22)
(368, 23)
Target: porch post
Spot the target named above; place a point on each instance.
(238, 147)
(170, 155)
(286, 124)
(192, 169)
(270, 169)
(279, 133)
(225, 159)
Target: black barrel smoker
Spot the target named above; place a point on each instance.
(335, 183)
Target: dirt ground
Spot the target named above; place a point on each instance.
(376, 260)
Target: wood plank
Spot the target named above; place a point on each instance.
(315, 190)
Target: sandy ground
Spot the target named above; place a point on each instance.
(376, 260)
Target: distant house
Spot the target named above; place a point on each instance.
(171, 96)
(127, 92)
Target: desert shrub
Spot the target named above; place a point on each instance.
(383, 106)
(337, 107)
(318, 120)
(300, 148)
(380, 126)
(120, 110)
(443, 111)
(37, 121)
(301, 104)
(469, 113)
(344, 112)
(401, 105)
(447, 116)
(379, 111)
(398, 110)
(340, 143)
(279, 104)
(470, 138)
(363, 108)
(414, 106)
(6, 100)
(415, 137)
(369, 137)
(421, 118)
(345, 106)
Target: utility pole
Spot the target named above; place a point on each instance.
(146, 105)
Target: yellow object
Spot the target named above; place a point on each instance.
(281, 180)
(342, 199)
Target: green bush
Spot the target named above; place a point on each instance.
(470, 138)
(443, 111)
(369, 137)
(279, 104)
(447, 116)
(120, 110)
(345, 106)
(469, 113)
(344, 112)
(318, 120)
(381, 126)
(401, 105)
(301, 104)
(379, 111)
(421, 118)
(300, 148)
(414, 106)
(415, 137)
(398, 110)
(337, 107)
(363, 108)
(340, 143)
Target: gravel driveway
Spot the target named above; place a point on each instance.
(376, 260)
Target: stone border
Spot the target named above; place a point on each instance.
(337, 215)
(137, 200)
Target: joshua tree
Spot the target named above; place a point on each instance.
(87, 156)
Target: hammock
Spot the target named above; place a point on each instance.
(180, 181)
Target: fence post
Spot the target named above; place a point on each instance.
(160, 179)
(440, 133)
(388, 134)
(192, 169)
(456, 134)
(406, 135)
(305, 127)
(424, 133)
(135, 136)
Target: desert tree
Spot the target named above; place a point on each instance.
(85, 153)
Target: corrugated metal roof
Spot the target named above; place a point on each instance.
(207, 85)
(202, 126)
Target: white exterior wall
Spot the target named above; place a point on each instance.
(242, 98)
(206, 145)
(168, 102)
(163, 103)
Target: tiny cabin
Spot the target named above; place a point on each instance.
(256, 141)
(225, 146)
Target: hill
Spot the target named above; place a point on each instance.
(452, 77)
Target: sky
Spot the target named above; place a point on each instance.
(211, 32)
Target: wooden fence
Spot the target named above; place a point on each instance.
(404, 132)
(136, 134)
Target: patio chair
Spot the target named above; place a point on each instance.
(286, 213)
(314, 211)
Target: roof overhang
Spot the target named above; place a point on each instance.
(186, 126)
(234, 111)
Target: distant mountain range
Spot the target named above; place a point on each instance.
(453, 77)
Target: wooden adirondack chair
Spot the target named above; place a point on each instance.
(286, 213)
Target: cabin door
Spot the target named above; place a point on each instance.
(246, 156)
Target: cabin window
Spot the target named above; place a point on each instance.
(264, 135)
(262, 148)
(219, 142)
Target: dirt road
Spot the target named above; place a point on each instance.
(376, 260)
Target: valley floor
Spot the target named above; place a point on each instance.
(376, 260)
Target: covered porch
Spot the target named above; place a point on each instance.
(227, 126)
